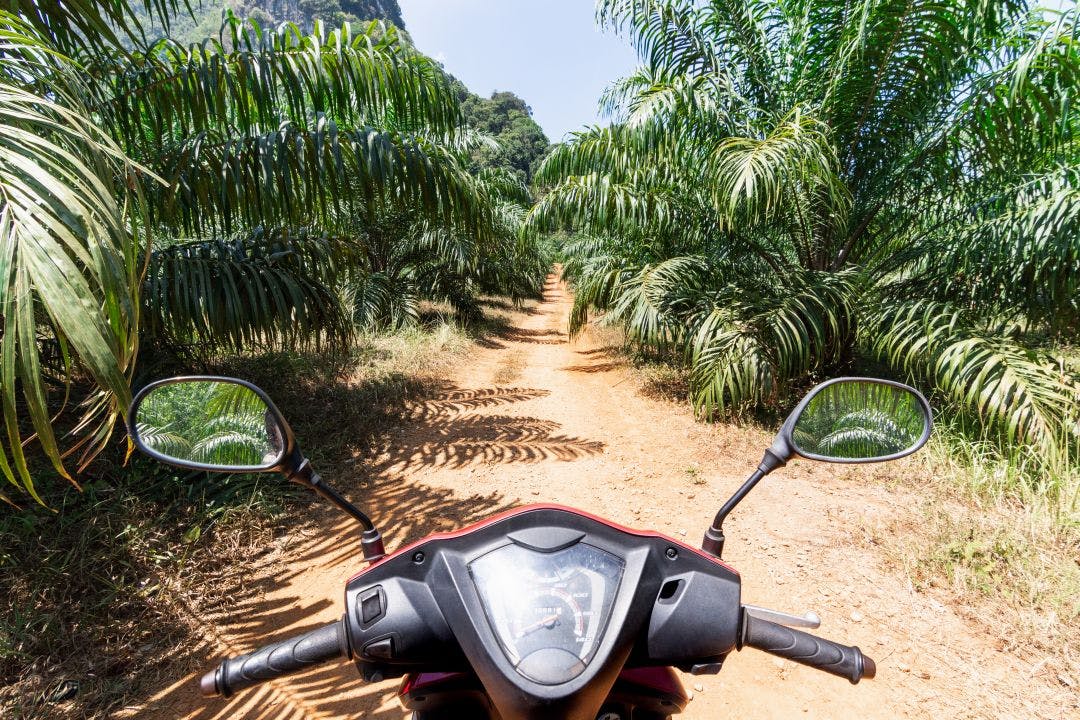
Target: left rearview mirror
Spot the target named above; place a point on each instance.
(210, 423)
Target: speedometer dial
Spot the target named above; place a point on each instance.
(548, 610)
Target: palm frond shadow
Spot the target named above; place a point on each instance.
(444, 436)
(258, 613)
(442, 433)
(529, 337)
(595, 367)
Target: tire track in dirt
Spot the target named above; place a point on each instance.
(531, 417)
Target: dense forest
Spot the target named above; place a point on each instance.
(520, 142)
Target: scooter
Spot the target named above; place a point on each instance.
(543, 611)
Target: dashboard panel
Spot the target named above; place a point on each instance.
(542, 602)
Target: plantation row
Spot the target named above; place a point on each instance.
(263, 188)
(787, 191)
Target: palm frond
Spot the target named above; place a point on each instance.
(75, 25)
(745, 348)
(164, 440)
(251, 79)
(757, 176)
(380, 301)
(266, 289)
(68, 270)
(1030, 396)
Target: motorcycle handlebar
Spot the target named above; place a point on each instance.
(842, 660)
(273, 661)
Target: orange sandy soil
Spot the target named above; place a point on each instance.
(531, 417)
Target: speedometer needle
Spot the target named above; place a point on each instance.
(549, 621)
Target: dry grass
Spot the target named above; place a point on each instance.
(98, 597)
(663, 381)
(1009, 568)
(509, 368)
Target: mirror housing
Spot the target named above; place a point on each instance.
(841, 423)
(855, 420)
(218, 416)
(254, 415)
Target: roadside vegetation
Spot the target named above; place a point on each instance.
(794, 191)
(265, 189)
(787, 191)
(790, 192)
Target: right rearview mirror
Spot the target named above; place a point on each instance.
(846, 420)
(858, 420)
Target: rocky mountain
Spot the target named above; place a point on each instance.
(333, 12)
(207, 14)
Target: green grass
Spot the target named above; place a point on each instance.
(998, 535)
(1046, 485)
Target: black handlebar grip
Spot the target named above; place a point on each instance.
(273, 661)
(847, 662)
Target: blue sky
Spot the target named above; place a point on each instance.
(549, 52)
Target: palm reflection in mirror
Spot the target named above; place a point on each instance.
(860, 420)
(222, 425)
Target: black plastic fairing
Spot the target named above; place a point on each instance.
(695, 619)
(435, 620)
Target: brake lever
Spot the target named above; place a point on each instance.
(808, 620)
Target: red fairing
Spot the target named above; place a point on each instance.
(420, 681)
(531, 508)
(661, 679)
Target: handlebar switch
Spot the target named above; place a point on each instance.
(381, 649)
(677, 634)
(371, 606)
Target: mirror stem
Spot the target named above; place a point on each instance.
(713, 543)
(371, 542)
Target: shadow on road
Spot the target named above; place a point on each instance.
(443, 433)
(284, 596)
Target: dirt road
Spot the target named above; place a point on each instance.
(531, 417)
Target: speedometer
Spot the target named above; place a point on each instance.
(548, 610)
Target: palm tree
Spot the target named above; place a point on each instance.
(403, 257)
(788, 184)
(204, 195)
